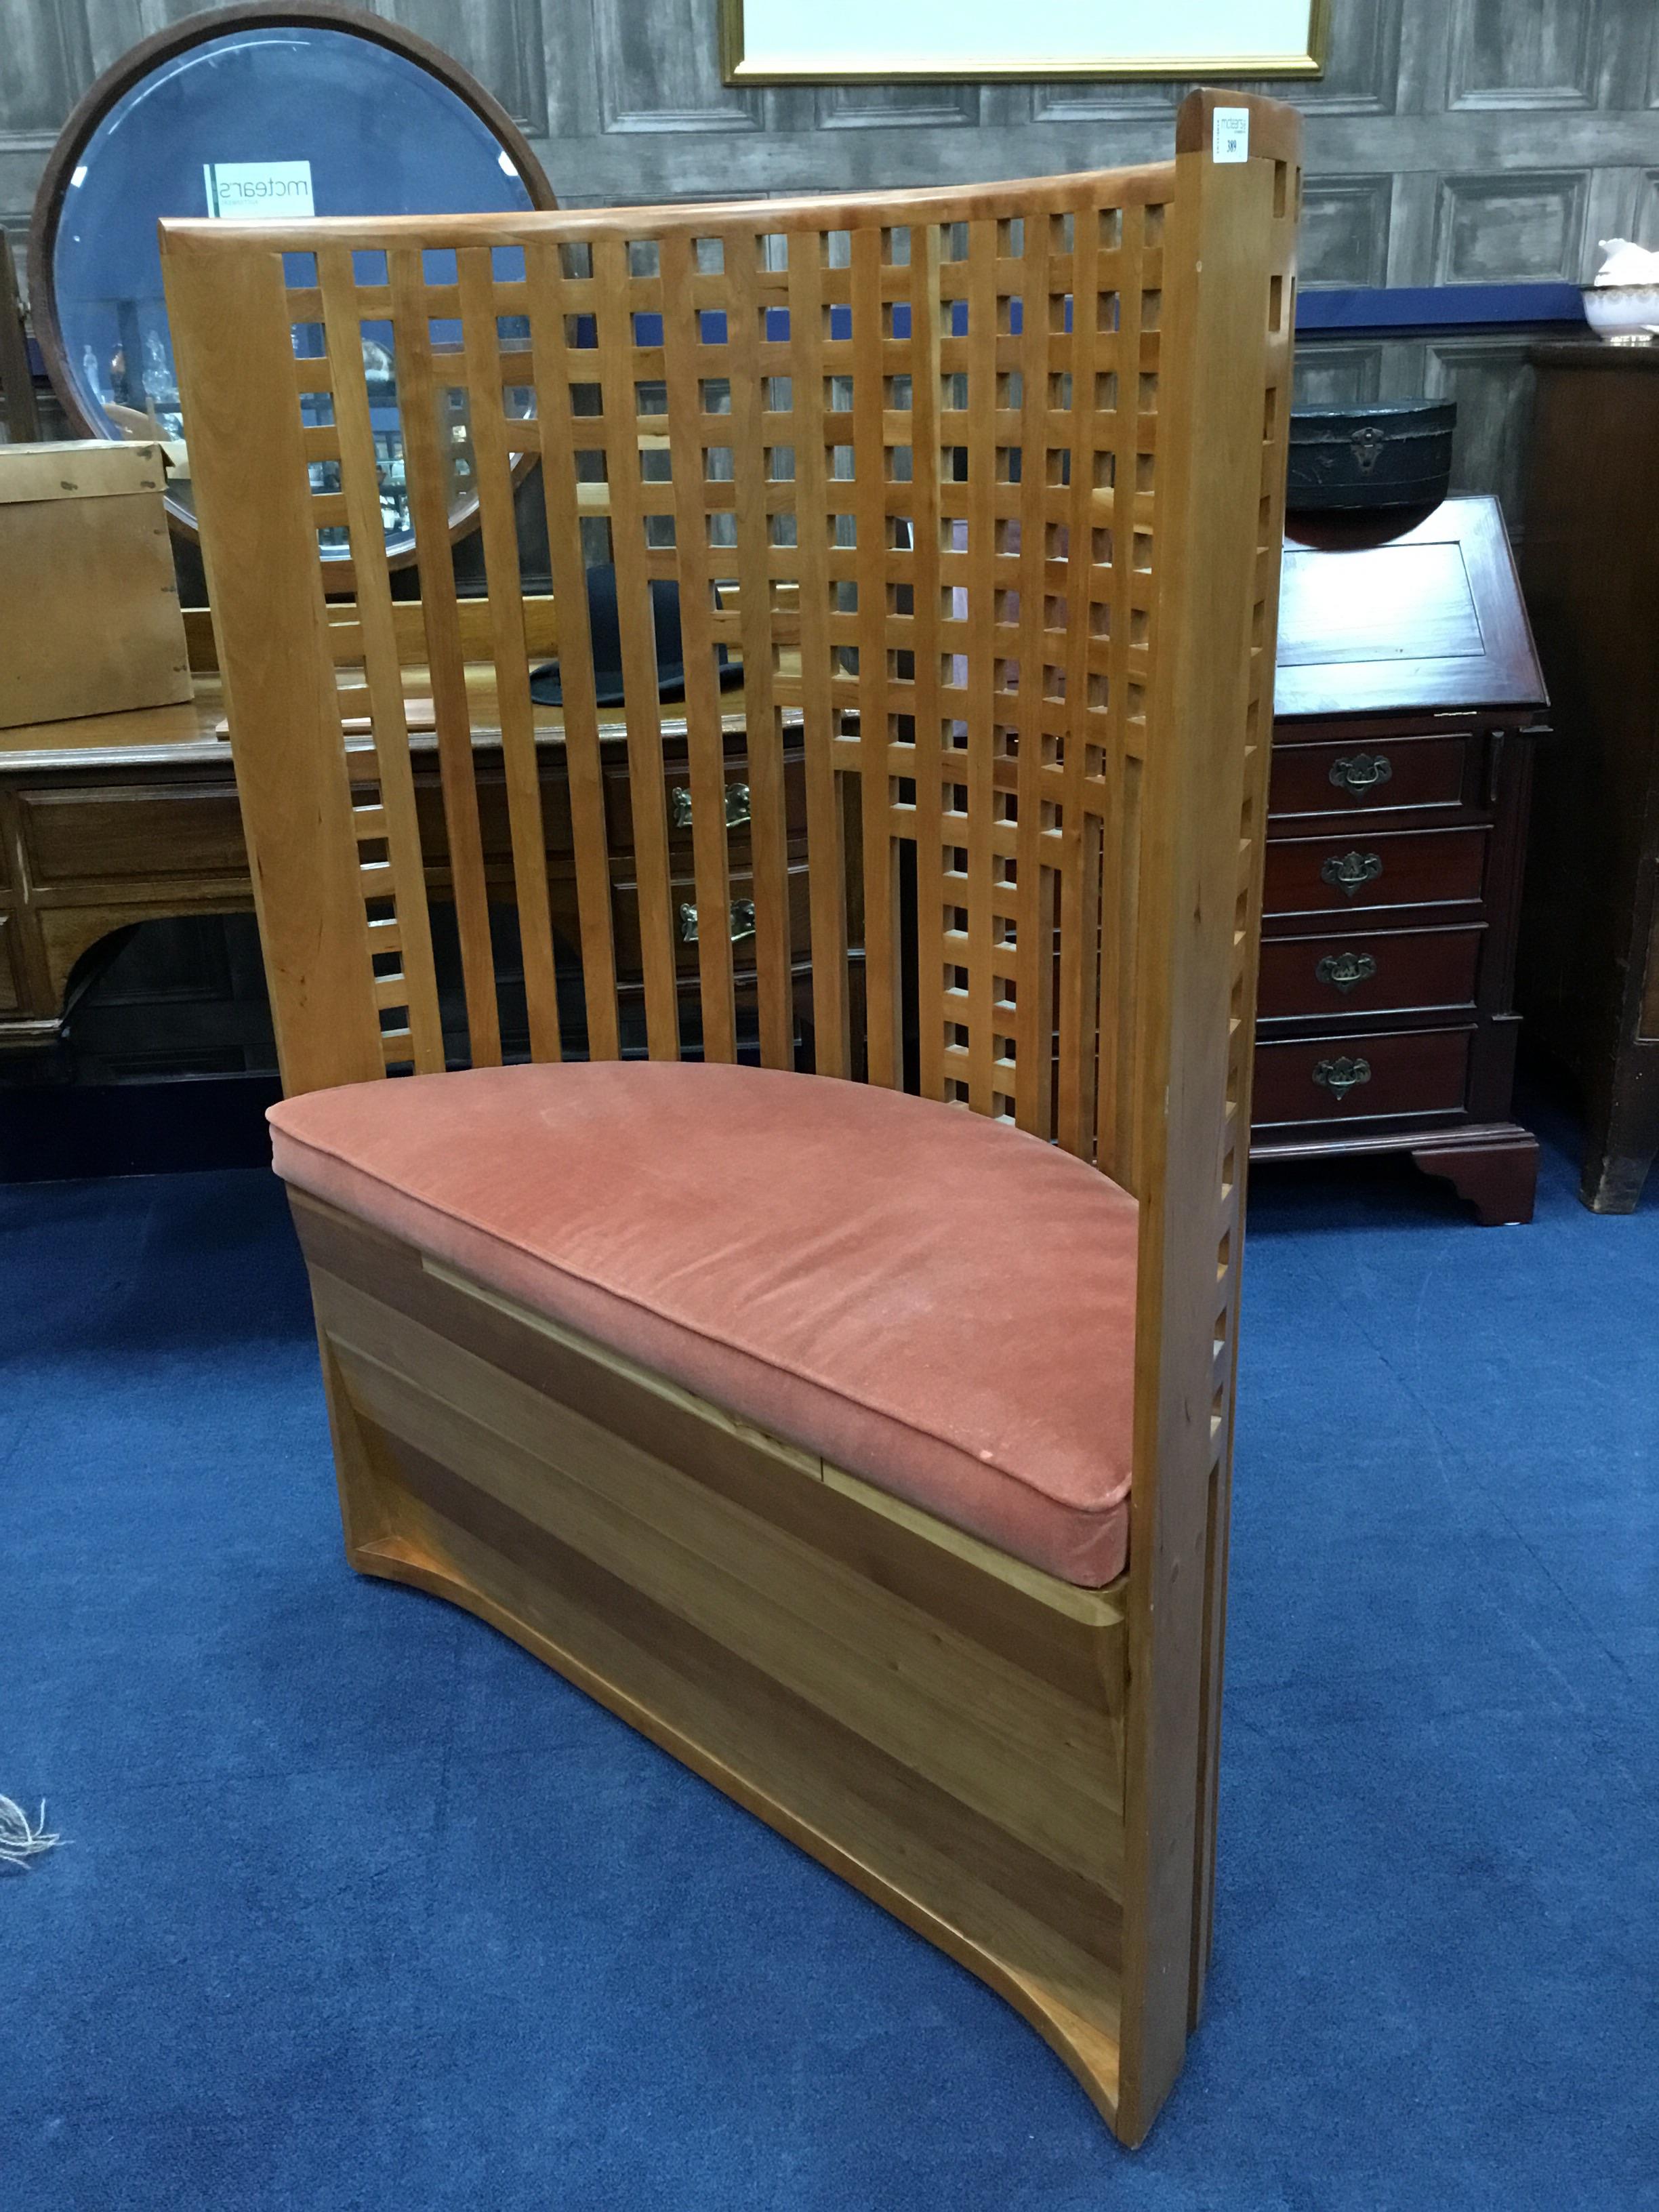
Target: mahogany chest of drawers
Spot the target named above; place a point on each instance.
(1407, 695)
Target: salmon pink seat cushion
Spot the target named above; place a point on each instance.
(924, 1297)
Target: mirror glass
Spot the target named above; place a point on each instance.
(276, 121)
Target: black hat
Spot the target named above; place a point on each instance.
(605, 632)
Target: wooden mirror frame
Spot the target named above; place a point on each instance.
(137, 63)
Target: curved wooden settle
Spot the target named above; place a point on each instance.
(1004, 547)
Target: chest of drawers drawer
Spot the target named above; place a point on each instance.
(688, 921)
(131, 832)
(1370, 972)
(1370, 774)
(680, 811)
(1361, 1078)
(1359, 868)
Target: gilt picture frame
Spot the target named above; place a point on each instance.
(864, 41)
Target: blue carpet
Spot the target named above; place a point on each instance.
(362, 1907)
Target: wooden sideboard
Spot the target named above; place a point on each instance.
(1589, 955)
(133, 817)
(1408, 695)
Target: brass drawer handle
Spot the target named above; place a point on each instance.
(1352, 872)
(742, 922)
(1342, 1075)
(1345, 970)
(1361, 771)
(738, 807)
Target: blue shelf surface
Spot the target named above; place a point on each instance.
(1437, 307)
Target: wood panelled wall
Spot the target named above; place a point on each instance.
(1450, 142)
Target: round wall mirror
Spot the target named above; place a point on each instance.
(252, 113)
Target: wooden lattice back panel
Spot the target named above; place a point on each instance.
(901, 455)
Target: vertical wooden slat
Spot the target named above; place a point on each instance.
(646, 794)
(705, 738)
(768, 831)
(492, 457)
(981, 650)
(360, 484)
(1213, 370)
(1082, 849)
(1118, 1104)
(885, 1008)
(555, 369)
(426, 475)
(1035, 949)
(825, 830)
(1120, 1108)
(1275, 431)
(926, 523)
(233, 347)
(388, 722)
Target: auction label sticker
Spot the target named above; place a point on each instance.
(261, 191)
(1231, 141)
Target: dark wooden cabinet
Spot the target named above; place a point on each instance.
(1408, 695)
(1589, 965)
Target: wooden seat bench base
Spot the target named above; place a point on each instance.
(938, 1723)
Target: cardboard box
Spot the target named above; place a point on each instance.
(89, 615)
